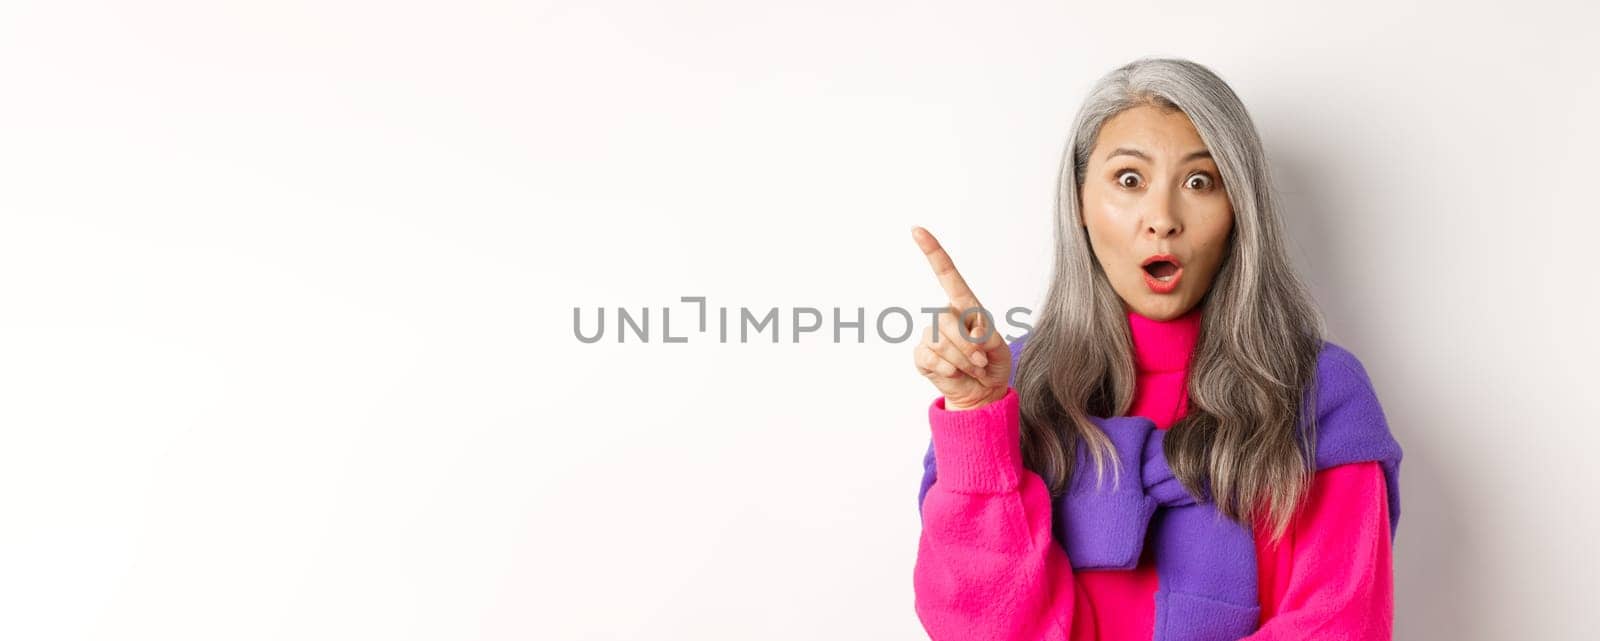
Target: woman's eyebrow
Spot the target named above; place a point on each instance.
(1125, 151)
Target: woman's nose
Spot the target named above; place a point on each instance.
(1161, 223)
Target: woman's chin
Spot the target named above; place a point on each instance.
(1160, 307)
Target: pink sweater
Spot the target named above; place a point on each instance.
(988, 568)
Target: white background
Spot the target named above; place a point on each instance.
(286, 297)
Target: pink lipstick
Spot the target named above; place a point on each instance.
(1162, 272)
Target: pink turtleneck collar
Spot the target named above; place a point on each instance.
(1164, 346)
(1161, 351)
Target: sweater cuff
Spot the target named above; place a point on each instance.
(978, 450)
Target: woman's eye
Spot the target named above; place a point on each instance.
(1200, 182)
(1128, 179)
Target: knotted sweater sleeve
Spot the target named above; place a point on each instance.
(1341, 581)
(987, 566)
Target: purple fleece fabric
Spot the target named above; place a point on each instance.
(1206, 563)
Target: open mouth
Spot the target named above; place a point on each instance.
(1162, 270)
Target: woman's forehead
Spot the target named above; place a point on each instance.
(1150, 133)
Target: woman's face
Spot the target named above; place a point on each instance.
(1151, 188)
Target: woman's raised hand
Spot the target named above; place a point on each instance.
(967, 361)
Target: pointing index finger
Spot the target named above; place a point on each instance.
(945, 269)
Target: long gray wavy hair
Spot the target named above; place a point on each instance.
(1260, 335)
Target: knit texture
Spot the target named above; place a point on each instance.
(1207, 565)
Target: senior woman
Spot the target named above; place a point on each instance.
(1174, 451)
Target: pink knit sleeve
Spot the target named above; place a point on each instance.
(987, 567)
(1341, 585)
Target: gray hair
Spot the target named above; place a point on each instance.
(1260, 329)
